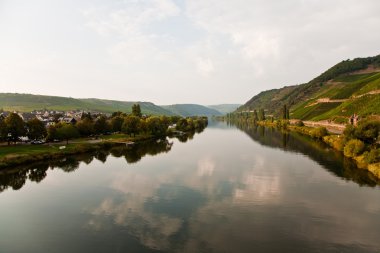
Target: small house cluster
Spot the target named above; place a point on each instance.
(51, 117)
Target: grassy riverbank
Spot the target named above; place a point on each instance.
(25, 153)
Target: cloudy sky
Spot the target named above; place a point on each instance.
(178, 51)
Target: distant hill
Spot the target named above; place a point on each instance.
(187, 110)
(224, 108)
(28, 102)
(351, 86)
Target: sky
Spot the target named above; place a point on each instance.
(178, 51)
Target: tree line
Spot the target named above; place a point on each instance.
(13, 127)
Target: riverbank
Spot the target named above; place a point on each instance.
(16, 155)
(336, 141)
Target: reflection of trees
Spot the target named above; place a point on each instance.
(36, 172)
(330, 159)
(136, 152)
(186, 136)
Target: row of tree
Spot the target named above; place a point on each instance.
(13, 127)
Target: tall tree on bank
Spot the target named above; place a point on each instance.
(15, 127)
(136, 110)
(67, 132)
(101, 125)
(3, 130)
(261, 114)
(285, 112)
(131, 125)
(36, 129)
(255, 116)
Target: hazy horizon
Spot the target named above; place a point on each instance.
(175, 52)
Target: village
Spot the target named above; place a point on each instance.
(51, 117)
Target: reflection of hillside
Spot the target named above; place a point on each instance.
(327, 157)
(17, 177)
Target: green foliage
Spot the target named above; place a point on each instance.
(349, 132)
(15, 127)
(101, 126)
(117, 123)
(373, 156)
(318, 132)
(67, 132)
(52, 133)
(353, 148)
(131, 125)
(85, 127)
(155, 126)
(347, 66)
(36, 129)
(136, 110)
(368, 131)
(335, 141)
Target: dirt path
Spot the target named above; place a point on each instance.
(331, 127)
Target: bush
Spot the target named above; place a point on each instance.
(318, 132)
(372, 156)
(368, 131)
(353, 148)
(300, 123)
(349, 132)
(335, 141)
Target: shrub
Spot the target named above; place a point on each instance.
(349, 132)
(353, 148)
(368, 130)
(372, 156)
(318, 132)
(335, 141)
(300, 123)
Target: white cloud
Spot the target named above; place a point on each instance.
(205, 66)
(154, 50)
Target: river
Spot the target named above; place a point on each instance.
(227, 189)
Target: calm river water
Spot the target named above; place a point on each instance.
(225, 190)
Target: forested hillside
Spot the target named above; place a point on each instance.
(29, 102)
(186, 110)
(351, 86)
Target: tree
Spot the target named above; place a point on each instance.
(155, 126)
(85, 127)
(136, 110)
(36, 129)
(261, 114)
(353, 148)
(101, 125)
(67, 132)
(15, 127)
(255, 116)
(131, 125)
(182, 124)
(52, 133)
(368, 131)
(117, 123)
(3, 130)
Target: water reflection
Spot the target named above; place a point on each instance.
(221, 192)
(36, 172)
(331, 159)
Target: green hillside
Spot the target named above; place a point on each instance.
(224, 108)
(187, 110)
(28, 102)
(351, 86)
